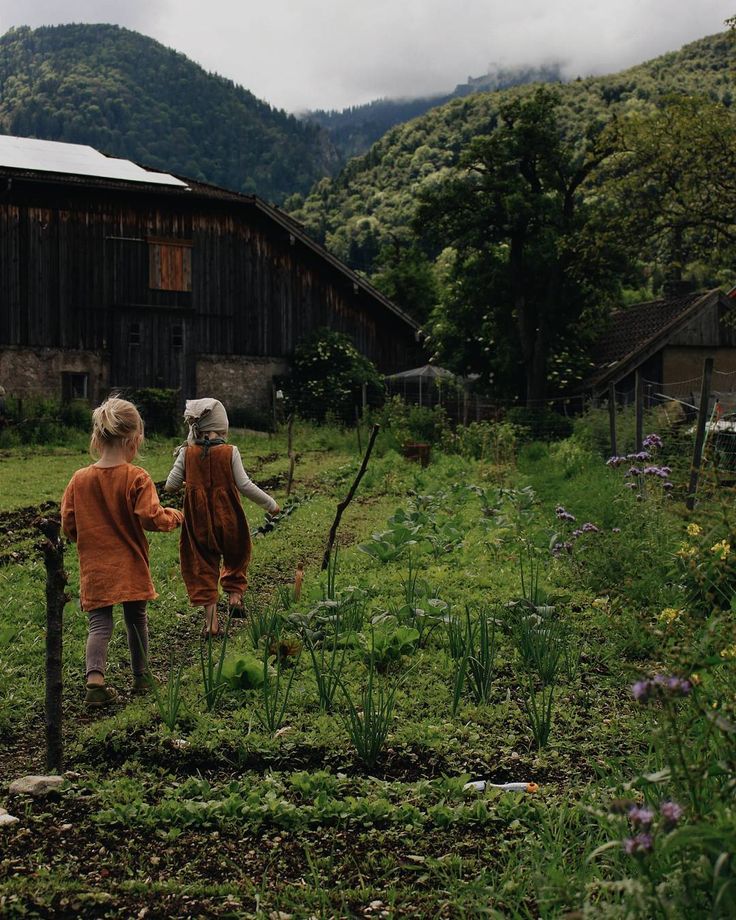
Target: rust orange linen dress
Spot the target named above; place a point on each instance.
(215, 527)
(105, 511)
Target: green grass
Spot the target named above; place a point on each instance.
(222, 817)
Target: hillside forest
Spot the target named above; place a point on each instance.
(511, 223)
(508, 222)
(129, 96)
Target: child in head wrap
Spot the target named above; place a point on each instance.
(215, 538)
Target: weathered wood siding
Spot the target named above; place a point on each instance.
(75, 272)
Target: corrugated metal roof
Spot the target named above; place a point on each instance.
(28, 153)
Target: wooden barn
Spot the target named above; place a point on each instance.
(666, 341)
(112, 275)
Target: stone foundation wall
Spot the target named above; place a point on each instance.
(28, 372)
(241, 382)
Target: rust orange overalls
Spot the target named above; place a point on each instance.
(215, 528)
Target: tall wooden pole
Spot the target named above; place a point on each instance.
(612, 417)
(639, 409)
(290, 454)
(700, 432)
(52, 548)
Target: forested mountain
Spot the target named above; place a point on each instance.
(130, 96)
(355, 129)
(372, 202)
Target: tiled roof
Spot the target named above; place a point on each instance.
(634, 326)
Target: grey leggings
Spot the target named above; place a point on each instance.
(100, 631)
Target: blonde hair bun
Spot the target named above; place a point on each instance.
(116, 421)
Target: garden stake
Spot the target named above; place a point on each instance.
(56, 597)
(349, 497)
(298, 581)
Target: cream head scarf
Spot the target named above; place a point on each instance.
(204, 416)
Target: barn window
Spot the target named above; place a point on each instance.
(74, 386)
(170, 265)
(177, 338)
(134, 334)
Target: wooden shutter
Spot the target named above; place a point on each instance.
(170, 265)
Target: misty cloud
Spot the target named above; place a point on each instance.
(332, 53)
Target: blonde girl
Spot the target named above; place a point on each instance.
(105, 510)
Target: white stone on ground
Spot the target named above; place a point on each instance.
(36, 785)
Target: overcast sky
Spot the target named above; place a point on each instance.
(300, 54)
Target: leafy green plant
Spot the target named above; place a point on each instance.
(480, 651)
(539, 642)
(242, 672)
(328, 662)
(275, 690)
(369, 717)
(538, 709)
(387, 643)
(260, 623)
(169, 699)
(211, 666)
(456, 632)
(389, 544)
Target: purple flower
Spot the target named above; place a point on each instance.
(640, 455)
(642, 690)
(652, 440)
(638, 845)
(641, 817)
(668, 485)
(634, 471)
(590, 528)
(576, 533)
(671, 812)
(564, 515)
(615, 461)
(559, 548)
(660, 686)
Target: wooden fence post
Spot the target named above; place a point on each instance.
(52, 548)
(700, 433)
(290, 455)
(612, 417)
(639, 409)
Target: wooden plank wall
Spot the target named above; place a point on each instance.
(74, 262)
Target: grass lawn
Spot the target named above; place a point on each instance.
(284, 797)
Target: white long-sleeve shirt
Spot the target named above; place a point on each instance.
(245, 484)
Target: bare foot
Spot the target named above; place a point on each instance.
(211, 623)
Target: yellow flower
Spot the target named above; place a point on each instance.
(696, 679)
(721, 549)
(693, 530)
(686, 551)
(729, 652)
(669, 614)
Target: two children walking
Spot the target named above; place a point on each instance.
(108, 505)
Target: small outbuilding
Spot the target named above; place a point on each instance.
(666, 341)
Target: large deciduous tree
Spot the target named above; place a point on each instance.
(522, 272)
(672, 184)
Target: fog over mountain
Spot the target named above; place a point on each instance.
(329, 54)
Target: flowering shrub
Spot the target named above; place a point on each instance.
(327, 376)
